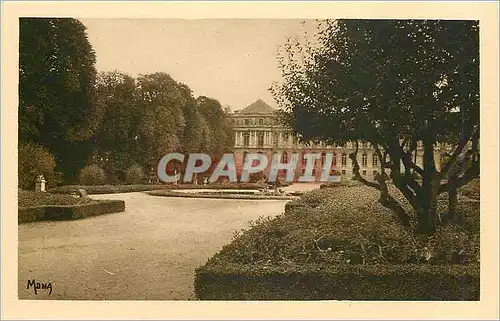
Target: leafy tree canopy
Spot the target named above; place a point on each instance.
(392, 83)
(56, 88)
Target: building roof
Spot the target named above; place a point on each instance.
(258, 107)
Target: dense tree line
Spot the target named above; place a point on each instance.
(75, 116)
(143, 119)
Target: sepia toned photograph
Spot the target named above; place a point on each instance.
(170, 159)
(242, 160)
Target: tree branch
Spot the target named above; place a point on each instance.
(458, 150)
(409, 164)
(385, 198)
(471, 173)
(355, 170)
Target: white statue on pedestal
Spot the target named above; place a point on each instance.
(40, 184)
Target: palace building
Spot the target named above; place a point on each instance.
(257, 130)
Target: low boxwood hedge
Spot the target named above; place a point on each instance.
(111, 189)
(69, 212)
(234, 281)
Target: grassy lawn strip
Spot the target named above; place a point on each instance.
(340, 229)
(111, 189)
(39, 206)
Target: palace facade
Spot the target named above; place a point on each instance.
(257, 130)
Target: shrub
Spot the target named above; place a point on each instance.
(342, 244)
(347, 226)
(312, 198)
(34, 160)
(256, 177)
(69, 212)
(92, 175)
(472, 189)
(134, 174)
(31, 198)
(343, 183)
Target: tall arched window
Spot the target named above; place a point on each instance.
(364, 159)
(334, 159)
(246, 139)
(284, 157)
(286, 138)
(375, 160)
(260, 139)
(275, 139)
(344, 159)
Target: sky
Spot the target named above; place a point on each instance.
(231, 60)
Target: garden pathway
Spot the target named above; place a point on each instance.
(148, 252)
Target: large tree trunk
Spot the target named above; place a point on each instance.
(427, 215)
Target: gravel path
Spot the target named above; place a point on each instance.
(148, 252)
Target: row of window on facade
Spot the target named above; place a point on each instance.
(260, 138)
(286, 136)
(343, 159)
(255, 121)
(364, 172)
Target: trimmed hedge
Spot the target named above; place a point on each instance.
(233, 281)
(220, 195)
(32, 198)
(69, 212)
(472, 189)
(342, 244)
(111, 189)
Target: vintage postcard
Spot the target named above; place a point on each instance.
(250, 160)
